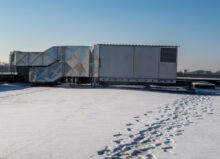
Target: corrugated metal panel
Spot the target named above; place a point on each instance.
(7, 69)
(146, 62)
(116, 61)
(168, 70)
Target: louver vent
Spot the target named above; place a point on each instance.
(168, 55)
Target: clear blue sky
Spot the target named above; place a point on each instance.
(194, 25)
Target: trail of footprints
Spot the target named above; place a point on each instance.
(160, 134)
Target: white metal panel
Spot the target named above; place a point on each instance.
(146, 62)
(116, 61)
(168, 70)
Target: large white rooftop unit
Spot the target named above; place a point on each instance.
(135, 63)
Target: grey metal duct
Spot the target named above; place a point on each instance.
(57, 62)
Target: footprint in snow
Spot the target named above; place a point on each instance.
(167, 148)
(136, 117)
(129, 124)
(129, 129)
(137, 120)
(150, 112)
(117, 135)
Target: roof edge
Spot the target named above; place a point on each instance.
(139, 45)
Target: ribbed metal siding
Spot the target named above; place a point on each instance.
(146, 61)
(116, 61)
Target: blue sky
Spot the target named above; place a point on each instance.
(194, 25)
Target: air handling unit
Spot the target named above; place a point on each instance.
(134, 63)
(101, 63)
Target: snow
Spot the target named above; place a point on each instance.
(49, 122)
(203, 83)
